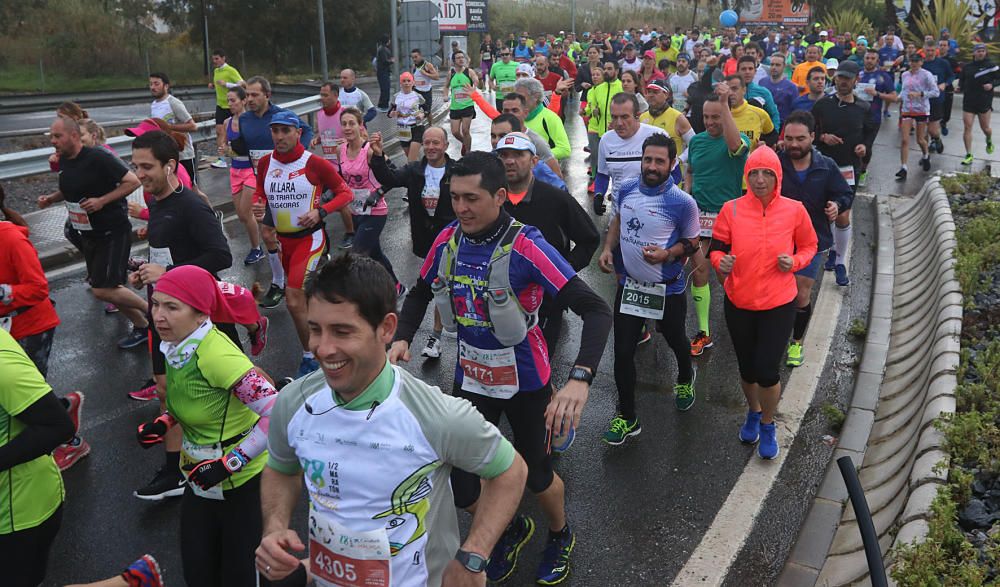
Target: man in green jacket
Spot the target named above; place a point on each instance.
(598, 108)
(542, 120)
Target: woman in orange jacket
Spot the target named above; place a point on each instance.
(758, 243)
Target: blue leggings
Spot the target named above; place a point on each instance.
(368, 240)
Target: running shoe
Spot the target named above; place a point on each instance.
(968, 159)
(925, 163)
(254, 256)
(768, 447)
(167, 482)
(221, 218)
(586, 149)
(831, 260)
(307, 366)
(620, 429)
(794, 354)
(145, 393)
(258, 339)
(862, 179)
(144, 572)
(989, 147)
(110, 308)
(273, 297)
(554, 567)
(644, 335)
(888, 115)
(901, 174)
(841, 272)
(432, 350)
(137, 337)
(684, 395)
(347, 242)
(599, 206)
(503, 559)
(74, 405)
(281, 383)
(220, 163)
(700, 342)
(944, 129)
(590, 188)
(66, 455)
(940, 146)
(561, 444)
(750, 430)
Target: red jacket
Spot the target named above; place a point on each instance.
(567, 64)
(21, 269)
(756, 236)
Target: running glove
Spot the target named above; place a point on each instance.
(208, 473)
(153, 433)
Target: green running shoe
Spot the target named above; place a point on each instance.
(967, 160)
(794, 354)
(684, 396)
(989, 148)
(620, 429)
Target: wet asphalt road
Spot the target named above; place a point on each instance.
(638, 509)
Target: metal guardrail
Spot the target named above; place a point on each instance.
(36, 161)
(21, 103)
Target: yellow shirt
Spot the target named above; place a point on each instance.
(753, 122)
(667, 120)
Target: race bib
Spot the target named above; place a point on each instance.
(461, 96)
(329, 144)
(707, 222)
(339, 557)
(644, 300)
(492, 373)
(358, 204)
(506, 88)
(848, 172)
(430, 197)
(7, 322)
(192, 454)
(160, 256)
(78, 217)
(404, 132)
(256, 155)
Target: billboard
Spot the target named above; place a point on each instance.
(476, 16)
(452, 17)
(775, 12)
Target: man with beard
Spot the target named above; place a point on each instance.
(654, 229)
(815, 180)
(172, 111)
(841, 120)
(620, 152)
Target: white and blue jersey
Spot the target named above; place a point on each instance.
(660, 216)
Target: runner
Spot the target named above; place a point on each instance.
(680, 81)
(462, 109)
(783, 91)
(597, 111)
(540, 119)
(352, 96)
(755, 93)
(632, 84)
(620, 152)
(100, 220)
(225, 77)
(502, 76)
(815, 180)
(760, 287)
(548, 78)
(816, 81)
(630, 62)
(255, 129)
(841, 121)
(398, 497)
(916, 88)
(753, 122)
(32, 424)
(977, 82)
(715, 158)
(880, 87)
(428, 202)
(505, 124)
(485, 60)
(944, 75)
(329, 137)
(804, 69)
(291, 180)
(171, 110)
(662, 115)
(407, 109)
(557, 215)
(424, 73)
(383, 69)
(241, 174)
(661, 230)
(143, 572)
(368, 207)
(944, 53)
(510, 344)
(223, 404)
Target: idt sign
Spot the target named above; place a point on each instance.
(452, 17)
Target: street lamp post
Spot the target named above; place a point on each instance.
(395, 43)
(322, 43)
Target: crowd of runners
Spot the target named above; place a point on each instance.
(718, 158)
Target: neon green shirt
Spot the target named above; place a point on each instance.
(227, 74)
(460, 99)
(32, 491)
(506, 75)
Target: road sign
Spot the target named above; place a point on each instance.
(477, 16)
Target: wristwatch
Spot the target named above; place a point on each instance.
(322, 213)
(581, 374)
(471, 561)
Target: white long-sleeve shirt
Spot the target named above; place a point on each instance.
(923, 81)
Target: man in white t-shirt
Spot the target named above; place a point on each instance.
(352, 96)
(172, 111)
(680, 80)
(620, 153)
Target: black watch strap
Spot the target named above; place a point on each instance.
(473, 562)
(322, 213)
(581, 374)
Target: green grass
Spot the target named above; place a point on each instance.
(16, 80)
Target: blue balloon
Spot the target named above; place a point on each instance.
(728, 18)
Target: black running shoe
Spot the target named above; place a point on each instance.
(166, 483)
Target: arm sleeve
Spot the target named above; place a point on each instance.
(180, 110)
(584, 235)
(577, 296)
(213, 248)
(280, 455)
(488, 109)
(323, 173)
(557, 132)
(932, 90)
(414, 308)
(259, 395)
(461, 435)
(30, 286)
(721, 233)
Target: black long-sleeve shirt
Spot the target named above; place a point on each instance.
(186, 226)
(562, 221)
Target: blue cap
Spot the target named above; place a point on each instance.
(285, 117)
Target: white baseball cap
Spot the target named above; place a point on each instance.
(516, 141)
(525, 68)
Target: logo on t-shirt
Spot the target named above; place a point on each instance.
(633, 227)
(276, 173)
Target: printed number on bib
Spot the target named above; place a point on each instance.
(329, 144)
(78, 217)
(644, 300)
(707, 222)
(340, 557)
(848, 172)
(461, 96)
(429, 198)
(7, 322)
(506, 88)
(192, 454)
(492, 373)
(405, 133)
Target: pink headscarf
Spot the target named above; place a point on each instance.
(224, 302)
